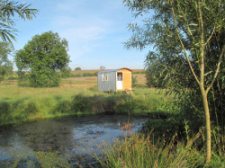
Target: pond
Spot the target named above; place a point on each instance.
(71, 137)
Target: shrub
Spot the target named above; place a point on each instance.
(80, 103)
(5, 110)
(31, 107)
(62, 106)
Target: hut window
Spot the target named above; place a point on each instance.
(105, 77)
(119, 76)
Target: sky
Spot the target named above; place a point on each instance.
(96, 31)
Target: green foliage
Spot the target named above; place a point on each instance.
(166, 63)
(191, 109)
(5, 65)
(42, 58)
(167, 72)
(8, 10)
(217, 94)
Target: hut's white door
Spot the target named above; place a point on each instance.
(119, 85)
(119, 81)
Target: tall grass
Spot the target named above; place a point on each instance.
(49, 104)
(139, 151)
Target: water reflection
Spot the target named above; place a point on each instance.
(72, 137)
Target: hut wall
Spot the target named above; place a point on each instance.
(109, 84)
(127, 79)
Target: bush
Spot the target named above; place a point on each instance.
(63, 106)
(5, 109)
(80, 103)
(31, 108)
(44, 78)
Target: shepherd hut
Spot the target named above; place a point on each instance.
(115, 80)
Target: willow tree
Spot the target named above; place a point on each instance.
(8, 10)
(184, 29)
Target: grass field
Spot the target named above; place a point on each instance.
(76, 96)
(68, 87)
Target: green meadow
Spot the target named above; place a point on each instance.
(78, 96)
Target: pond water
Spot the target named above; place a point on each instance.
(71, 137)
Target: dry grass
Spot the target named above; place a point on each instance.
(89, 82)
(79, 83)
(141, 79)
(68, 87)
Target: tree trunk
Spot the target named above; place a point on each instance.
(207, 124)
